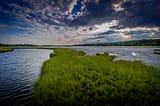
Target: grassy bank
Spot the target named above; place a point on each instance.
(2, 50)
(71, 78)
(156, 51)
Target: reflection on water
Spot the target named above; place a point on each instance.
(127, 53)
(18, 71)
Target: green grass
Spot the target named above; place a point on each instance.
(156, 51)
(71, 78)
(2, 50)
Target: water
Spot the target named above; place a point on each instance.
(126, 53)
(18, 71)
(131, 53)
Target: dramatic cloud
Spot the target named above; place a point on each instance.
(78, 21)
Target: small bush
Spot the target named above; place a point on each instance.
(81, 53)
(105, 54)
(156, 52)
(98, 54)
(52, 55)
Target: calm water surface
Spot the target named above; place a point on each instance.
(131, 53)
(18, 71)
(20, 68)
(144, 54)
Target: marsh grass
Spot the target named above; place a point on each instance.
(156, 51)
(2, 50)
(73, 79)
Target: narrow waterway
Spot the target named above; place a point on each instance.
(18, 71)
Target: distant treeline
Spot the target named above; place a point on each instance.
(145, 42)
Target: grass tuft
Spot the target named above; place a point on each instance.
(156, 51)
(52, 54)
(2, 50)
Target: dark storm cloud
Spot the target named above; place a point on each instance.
(60, 12)
(133, 12)
(97, 13)
(79, 21)
(141, 13)
(42, 11)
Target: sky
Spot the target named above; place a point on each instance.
(68, 22)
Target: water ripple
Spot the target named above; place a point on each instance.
(18, 71)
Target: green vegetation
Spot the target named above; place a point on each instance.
(144, 42)
(73, 79)
(6, 49)
(156, 51)
(52, 54)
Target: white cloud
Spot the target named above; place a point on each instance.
(124, 36)
(104, 27)
(118, 6)
(138, 29)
